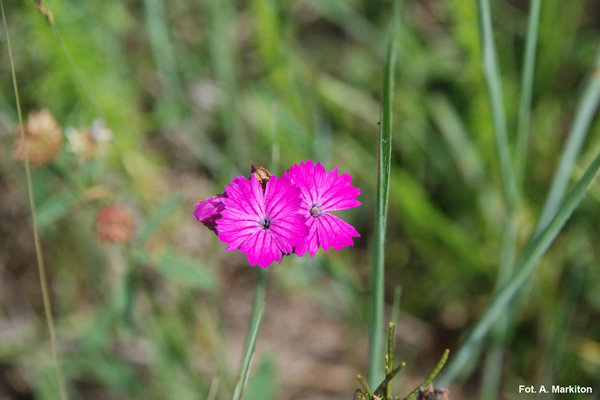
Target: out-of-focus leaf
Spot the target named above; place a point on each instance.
(55, 207)
(185, 271)
(262, 384)
(162, 213)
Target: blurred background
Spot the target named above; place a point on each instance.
(135, 110)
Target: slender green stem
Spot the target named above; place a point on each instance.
(222, 53)
(492, 79)
(492, 372)
(383, 187)
(585, 113)
(212, 390)
(258, 309)
(527, 265)
(493, 82)
(389, 360)
(65, 49)
(395, 316)
(526, 90)
(431, 376)
(509, 240)
(274, 139)
(386, 382)
(36, 235)
(365, 385)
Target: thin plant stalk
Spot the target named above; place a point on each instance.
(258, 309)
(36, 236)
(527, 265)
(389, 358)
(526, 90)
(395, 314)
(585, 113)
(375, 371)
(492, 370)
(492, 80)
(431, 376)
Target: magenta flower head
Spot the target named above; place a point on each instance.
(209, 211)
(322, 192)
(263, 224)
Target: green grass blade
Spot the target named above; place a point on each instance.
(34, 221)
(222, 53)
(258, 309)
(395, 314)
(526, 90)
(464, 154)
(534, 251)
(585, 113)
(492, 80)
(383, 187)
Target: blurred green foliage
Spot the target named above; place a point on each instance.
(191, 92)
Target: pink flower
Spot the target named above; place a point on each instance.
(322, 192)
(209, 211)
(262, 224)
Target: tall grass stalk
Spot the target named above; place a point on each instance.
(492, 370)
(36, 235)
(222, 54)
(492, 80)
(585, 113)
(526, 90)
(527, 265)
(383, 187)
(493, 83)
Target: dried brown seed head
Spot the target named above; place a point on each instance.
(43, 138)
(262, 174)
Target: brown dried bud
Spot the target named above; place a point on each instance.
(43, 138)
(440, 393)
(262, 174)
(115, 224)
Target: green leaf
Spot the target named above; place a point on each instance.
(162, 213)
(185, 271)
(262, 386)
(55, 207)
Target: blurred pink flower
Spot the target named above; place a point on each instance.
(115, 224)
(322, 192)
(209, 211)
(262, 224)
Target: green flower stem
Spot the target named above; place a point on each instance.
(258, 309)
(383, 188)
(36, 235)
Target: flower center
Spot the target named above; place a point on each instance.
(265, 223)
(315, 210)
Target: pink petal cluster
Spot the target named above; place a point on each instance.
(322, 192)
(290, 214)
(262, 224)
